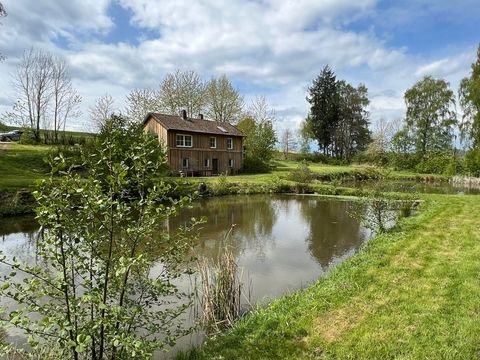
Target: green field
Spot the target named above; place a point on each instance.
(22, 165)
(410, 294)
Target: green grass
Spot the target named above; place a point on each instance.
(410, 294)
(21, 165)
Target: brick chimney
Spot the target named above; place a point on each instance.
(183, 114)
(200, 116)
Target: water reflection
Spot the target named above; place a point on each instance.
(282, 242)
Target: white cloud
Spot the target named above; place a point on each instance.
(272, 47)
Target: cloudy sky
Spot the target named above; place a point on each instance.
(266, 47)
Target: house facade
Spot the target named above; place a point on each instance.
(196, 146)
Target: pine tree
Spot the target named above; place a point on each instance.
(324, 108)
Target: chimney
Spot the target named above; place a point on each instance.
(200, 116)
(183, 114)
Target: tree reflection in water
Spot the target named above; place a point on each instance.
(282, 242)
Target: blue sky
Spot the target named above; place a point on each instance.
(269, 47)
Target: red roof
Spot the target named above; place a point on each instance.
(176, 122)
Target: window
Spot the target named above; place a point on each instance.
(213, 142)
(185, 163)
(184, 140)
(206, 163)
(230, 163)
(229, 143)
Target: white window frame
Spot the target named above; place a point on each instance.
(231, 143)
(231, 163)
(206, 163)
(186, 161)
(180, 140)
(210, 142)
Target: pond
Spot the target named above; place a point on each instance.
(413, 186)
(282, 242)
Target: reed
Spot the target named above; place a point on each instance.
(218, 296)
(466, 181)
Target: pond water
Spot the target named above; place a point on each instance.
(282, 243)
(412, 186)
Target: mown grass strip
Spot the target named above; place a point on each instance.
(410, 294)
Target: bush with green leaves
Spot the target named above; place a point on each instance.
(93, 293)
(472, 162)
(379, 211)
(28, 137)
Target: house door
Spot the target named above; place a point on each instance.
(215, 166)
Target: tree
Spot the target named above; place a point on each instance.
(66, 100)
(33, 82)
(44, 91)
(306, 135)
(469, 94)
(102, 110)
(223, 101)
(351, 133)
(140, 102)
(430, 119)
(288, 142)
(97, 296)
(183, 90)
(324, 108)
(260, 135)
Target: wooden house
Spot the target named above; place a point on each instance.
(196, 146)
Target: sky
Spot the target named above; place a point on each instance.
(271, 48)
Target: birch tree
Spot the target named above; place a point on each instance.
(102, 110)
(224, 102)
(140, 102)
(183, 90)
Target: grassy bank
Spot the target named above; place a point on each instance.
(410, 294)
(22, 165)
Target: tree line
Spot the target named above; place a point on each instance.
(432, 137)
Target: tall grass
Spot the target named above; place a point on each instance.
(219, 292)
(466, 181)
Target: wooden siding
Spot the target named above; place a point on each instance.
(200, 150)
(154, 128)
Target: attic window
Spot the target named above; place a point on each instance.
(222, 129)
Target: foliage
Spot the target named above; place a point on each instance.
(436, 163)
(469, 94)
(472, 162)
(430, 119)
(28, 137)
(338, 117)
(44, 92)
(378, 211)
(259, 143)
(324, 112)
(101, 111)
(101, 236)
(302, 174)
(140, 102)
(221, 185)
(182, 90)
(223, 102)
(288, 142)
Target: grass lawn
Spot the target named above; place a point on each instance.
(410, 294)
(21, 165)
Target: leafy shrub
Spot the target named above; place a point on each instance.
(435, 163)
(28, 137)
(302, 174)
(472, 162)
